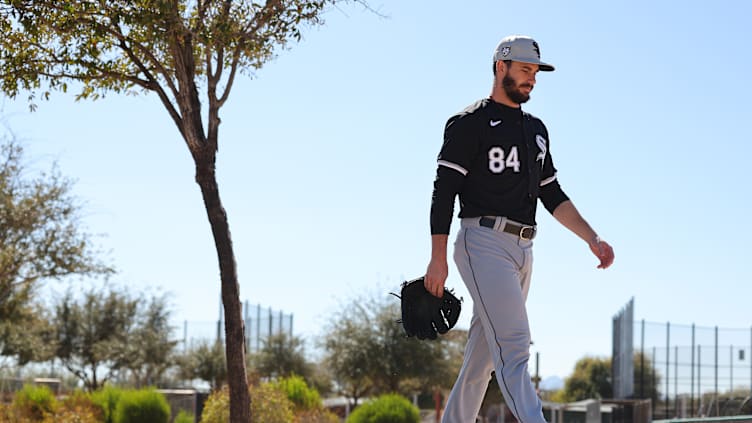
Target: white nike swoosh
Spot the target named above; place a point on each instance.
(494, 122)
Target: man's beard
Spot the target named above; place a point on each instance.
(513, 90)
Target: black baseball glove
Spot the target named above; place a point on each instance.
(424, 315)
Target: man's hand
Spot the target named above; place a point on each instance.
(603, 251)
(436, 276)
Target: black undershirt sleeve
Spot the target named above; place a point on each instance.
(445, 188)
(552, 195)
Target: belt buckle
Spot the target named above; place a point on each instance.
(522, 233)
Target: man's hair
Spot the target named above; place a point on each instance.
(506, 62)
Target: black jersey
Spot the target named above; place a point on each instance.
(498, 159)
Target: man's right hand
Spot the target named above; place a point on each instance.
(436, 276)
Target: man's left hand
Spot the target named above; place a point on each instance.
(603, 251)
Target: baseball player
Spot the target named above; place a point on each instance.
(498, 159)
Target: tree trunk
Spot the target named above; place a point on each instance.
(240, 400)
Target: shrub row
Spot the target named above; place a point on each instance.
(110, 405)
(288, 400)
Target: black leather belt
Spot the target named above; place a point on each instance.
(522, 231)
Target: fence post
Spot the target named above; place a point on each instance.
(731, 368)
(715, 391)
(246, 327)
(258, 327)
(692, 367)
(655, 381)
(642, 359)
(699, 375)
(270, 322)
(676, 380)
(668, 364)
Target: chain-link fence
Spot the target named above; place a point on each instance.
(696, 370)
(685, 370)
(260, 322)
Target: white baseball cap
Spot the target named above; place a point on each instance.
(520, 48)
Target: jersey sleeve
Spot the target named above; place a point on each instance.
(453, 164)
(461, 143)
(550, 193)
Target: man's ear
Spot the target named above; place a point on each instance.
(501, 67)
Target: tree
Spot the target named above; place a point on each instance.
(348, 347)
(92, 334)
(30, 337)
(204, 361)
(149, 351)
(282, 355)
(591, 379)
(41, 238)
(367, 352)
(172, 48)
(110, 331)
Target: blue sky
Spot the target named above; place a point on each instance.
(327, 158)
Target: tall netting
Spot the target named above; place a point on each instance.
(260, 322)
(687, 370)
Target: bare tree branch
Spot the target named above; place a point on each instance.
(233, 69)
(157, 88)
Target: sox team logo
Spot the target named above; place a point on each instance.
(536, 48)
(542, 147)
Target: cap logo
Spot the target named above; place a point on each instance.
(536, 48)
(505, 51)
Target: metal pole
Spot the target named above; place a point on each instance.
(642, 359)
(246, 327)
(715, 392)
(290, 325)
(668, 363)
(258, 327)
(185, 335)
(676, 380)
(616, 364)
(692, 383)
(219, 321)
(699, 379)
(699, 375)
(654, 394)
(270, 322)
(731, 368)
(537, 375)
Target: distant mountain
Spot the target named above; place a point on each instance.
(552, 383)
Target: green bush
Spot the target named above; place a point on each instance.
(107, 400)
(390, 408)
(142, 406)
(298, 391)
(268, 405)
(183, 417)
(35, 402)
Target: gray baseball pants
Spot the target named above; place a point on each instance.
(496, 268)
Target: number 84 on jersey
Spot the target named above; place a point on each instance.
(498, 159)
